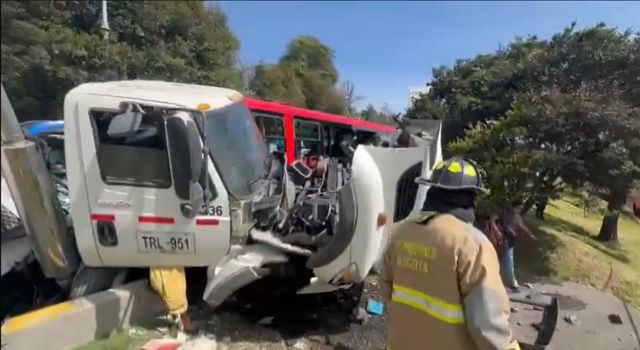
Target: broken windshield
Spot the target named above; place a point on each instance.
(237, 148)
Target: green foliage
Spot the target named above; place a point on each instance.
(382, 116)
(537, 112)
(48, 47)
(305, 76)
(277, 83)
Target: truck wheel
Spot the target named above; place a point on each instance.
(89, 280)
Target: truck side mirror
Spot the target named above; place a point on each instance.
(186, 164)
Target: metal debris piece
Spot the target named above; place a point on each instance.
(572, 319)
(514, 310)
(615, 319)
(529, 285)
(265, 321)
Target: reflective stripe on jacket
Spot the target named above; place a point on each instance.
(444, 289)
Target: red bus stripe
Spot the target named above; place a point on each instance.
(155, 220)
(271, 106)
(103, 217)
(207, 222)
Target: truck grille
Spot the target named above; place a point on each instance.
(406, 192)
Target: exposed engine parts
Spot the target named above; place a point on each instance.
(314, 218)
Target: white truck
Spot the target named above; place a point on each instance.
(167, 174)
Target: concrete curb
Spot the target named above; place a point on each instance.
(76, 322)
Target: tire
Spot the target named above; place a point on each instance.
(89, 280)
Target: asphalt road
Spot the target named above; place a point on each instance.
(293, 322)
(323, 322)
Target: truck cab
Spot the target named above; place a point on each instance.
(152, 173)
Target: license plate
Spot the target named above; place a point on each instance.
(166, 243)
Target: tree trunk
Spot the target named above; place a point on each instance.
(528, 204)
(609, 228)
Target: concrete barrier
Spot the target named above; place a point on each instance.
(76, 322)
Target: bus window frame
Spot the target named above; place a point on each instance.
(305, 120)
(258, 113)
(289, 112)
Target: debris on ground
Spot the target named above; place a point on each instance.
(529, 285)
(318, 339)
(182, 337)
(162, 330)
(136, 332)
(200, 343)
(572, 319)
(514, 309)
(519, 323)
(363, 316)
(533, 308)
(301, 344)
(375, 307)
(162, 344)
(615, 319)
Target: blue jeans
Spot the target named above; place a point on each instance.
(507, 269)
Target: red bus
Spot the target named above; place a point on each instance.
(303, 132)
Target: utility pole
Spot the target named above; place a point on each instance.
(105, 20)
(34, 194)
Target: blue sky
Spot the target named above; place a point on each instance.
(386, 48)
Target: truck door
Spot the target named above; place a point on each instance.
(135, 212)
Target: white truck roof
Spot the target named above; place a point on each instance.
(179, 94)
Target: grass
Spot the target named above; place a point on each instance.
(127, 339)
(566, 250)
(117, 341)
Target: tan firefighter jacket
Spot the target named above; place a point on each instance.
(443, 281)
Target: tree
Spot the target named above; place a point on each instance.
(305, 70)
(307, 54)
(369, 113)
(538, 114)
(277, 83)
(48, 47)
(348, 90)
(382, 116)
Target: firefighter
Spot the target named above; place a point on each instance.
(440, 275)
